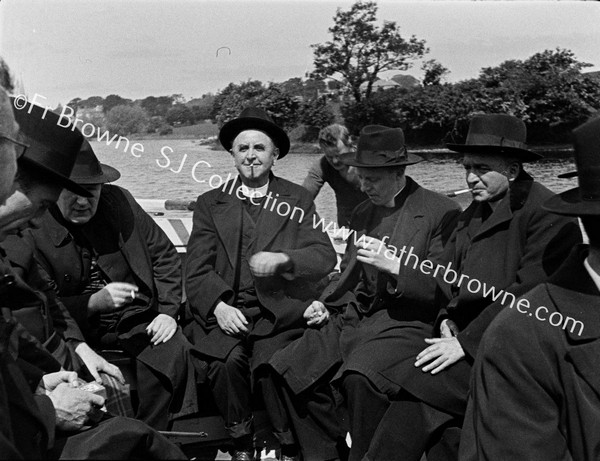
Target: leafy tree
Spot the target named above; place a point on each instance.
(124, 120)
(282, 106)
(316, 112)
(113, 100)
(227, 103)
(434, 72)
(548, 91)
(200, 113)
(179, 114)
(360, 50)
(157, 106)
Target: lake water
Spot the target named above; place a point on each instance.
(151, 176)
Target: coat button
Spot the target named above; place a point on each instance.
(67, 277)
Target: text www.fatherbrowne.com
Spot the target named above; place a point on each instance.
(450, 276)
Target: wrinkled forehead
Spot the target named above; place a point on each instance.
(8, 125)
(253, 137)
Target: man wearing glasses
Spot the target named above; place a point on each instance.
(503, 241)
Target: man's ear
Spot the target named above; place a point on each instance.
(513, 170)
(275, 154)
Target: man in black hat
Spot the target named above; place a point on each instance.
(254, 261)
(536, 385)
(385, 301)
(120, 278)
(43, 412)
(504, 244)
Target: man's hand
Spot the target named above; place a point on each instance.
(443, 351)
(73, 406)
(96, 364)
(230, 319)
(316, 314)
(267, 264)
(448, 329)
(50, 381)
(113, 296)
(373, 252)
(162, 328)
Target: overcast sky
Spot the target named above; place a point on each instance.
(65, 49)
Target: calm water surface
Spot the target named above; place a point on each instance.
(191, 166)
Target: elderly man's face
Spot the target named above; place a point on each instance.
(24, 208)
(381, 184)
(254, 154)
(78, 209)
(8, 161)
(487, 176)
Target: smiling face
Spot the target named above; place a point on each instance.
(78, 209)
(381, 184)
(254, 154)
(488, 176)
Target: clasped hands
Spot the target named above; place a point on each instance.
(442, 352)
(73, 407)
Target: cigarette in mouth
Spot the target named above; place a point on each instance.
(458, 192)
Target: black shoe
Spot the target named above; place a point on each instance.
(243, 455)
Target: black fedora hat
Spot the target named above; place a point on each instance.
(496, 134)
(253, 118)
(88, 170)
(53, 147)
(378, 147)
(585, 199)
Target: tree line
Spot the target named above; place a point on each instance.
(549, 90)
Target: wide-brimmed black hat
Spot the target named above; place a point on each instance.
(253, 118)
(496, 134)
(89, 170)
(53, 147)
(585, 199)
(378, 147)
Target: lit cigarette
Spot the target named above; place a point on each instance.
(458, 192)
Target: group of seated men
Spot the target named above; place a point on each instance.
(393, 338)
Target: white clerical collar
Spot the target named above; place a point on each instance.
(392, 202)
(593, 274)
(255, 192)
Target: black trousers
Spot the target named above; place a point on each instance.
(410, 428)
(366, 407)
(308, 421)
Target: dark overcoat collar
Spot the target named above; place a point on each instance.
(576, 296)
(471, 226)
(409, 223)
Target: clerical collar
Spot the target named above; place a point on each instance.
(255, 192)
(593, 274)
(395, 201)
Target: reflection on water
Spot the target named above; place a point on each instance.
(182, 169)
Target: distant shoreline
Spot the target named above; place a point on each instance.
(549, 151)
